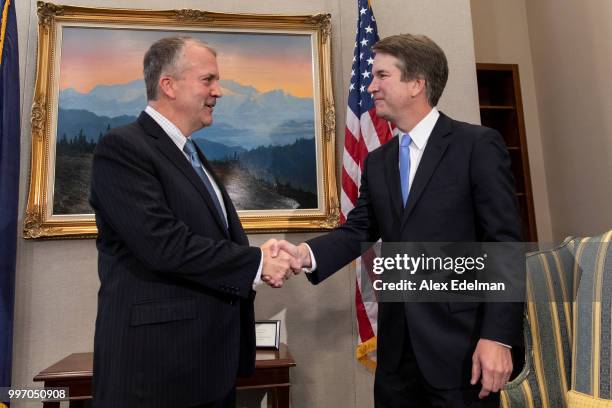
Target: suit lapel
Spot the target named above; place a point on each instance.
(392, 176)
(167, 147)
(436, 146)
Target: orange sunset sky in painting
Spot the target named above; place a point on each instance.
(103, 56)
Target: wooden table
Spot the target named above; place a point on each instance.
(75, 372)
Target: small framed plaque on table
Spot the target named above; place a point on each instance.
(267, 334)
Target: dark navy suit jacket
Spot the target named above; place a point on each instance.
(175, 321)
(463, 191)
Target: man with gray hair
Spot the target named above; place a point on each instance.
(175, 323)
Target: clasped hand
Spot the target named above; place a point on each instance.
(281, 260)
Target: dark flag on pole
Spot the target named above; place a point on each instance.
(9, 181)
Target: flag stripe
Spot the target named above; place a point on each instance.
(351, 146)
(352, 124)
(351, 167)
(346, 203)
(349, 188)
(370, 136)
(366, 331)
(368, 296)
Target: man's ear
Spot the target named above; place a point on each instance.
(166, 86)
(418, 87)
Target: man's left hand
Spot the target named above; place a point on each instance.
(494, 362)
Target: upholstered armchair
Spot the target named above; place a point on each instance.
(568, 332)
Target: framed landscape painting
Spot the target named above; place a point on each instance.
(272, 140)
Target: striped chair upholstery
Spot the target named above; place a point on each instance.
(551, 283)
(591, 381)
(568, 343)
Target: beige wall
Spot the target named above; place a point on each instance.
(501, 36)
(563, 50)
(570, 44)
(57, 281)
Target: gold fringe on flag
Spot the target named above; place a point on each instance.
(362, 353)
(3, 31)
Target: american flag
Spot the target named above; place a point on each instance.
(364, 132)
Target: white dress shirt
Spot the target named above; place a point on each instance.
(419, 135)
(179, 140)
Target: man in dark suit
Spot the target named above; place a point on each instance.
(175, 323)
(456, 186)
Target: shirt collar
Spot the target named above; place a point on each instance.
(421, 132)
(170, 128)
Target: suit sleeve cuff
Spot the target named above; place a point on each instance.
(257, 280)
(313, 261)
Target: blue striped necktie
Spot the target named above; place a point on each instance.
(190, 149)
(404, 162)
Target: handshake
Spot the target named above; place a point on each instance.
(281, 259)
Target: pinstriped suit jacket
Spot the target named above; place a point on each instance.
(175, 306)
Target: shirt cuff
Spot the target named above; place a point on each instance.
(505, 345)
(257, 280)
(313, 261)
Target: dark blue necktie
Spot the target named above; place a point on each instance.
(404, 162)
(190, 149)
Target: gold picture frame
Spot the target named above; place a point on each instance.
(51, 212)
